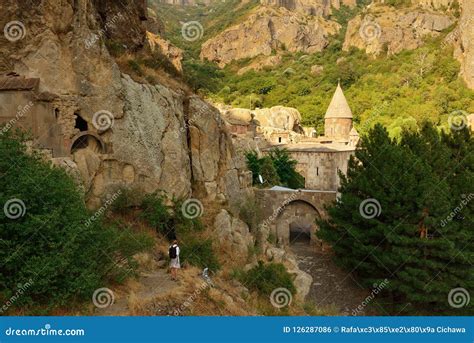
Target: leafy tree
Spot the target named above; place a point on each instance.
(276, 169)
(285, 167)
(268, 172)
(402, 237)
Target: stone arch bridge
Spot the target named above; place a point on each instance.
(291, 214)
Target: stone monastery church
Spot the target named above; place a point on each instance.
(319, 158)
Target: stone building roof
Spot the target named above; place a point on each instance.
(14, 82)
(354, 132)
(338, 108)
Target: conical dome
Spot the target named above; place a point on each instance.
(338, 108)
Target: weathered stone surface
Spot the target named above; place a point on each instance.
(286, 118)
(261, 63)
(233, 234)
(394, 29)
(146, 146)
(311, 7)
(316, 70)
(239, 114)
(465, 47)
(268, 30)
(275, 254)
(302, 280)
(173, 53)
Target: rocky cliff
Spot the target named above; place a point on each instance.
(464, 49)
(156, 138)
(386, 29)
(267, 31)
(309, 7)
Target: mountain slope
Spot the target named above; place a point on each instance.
(394, 59)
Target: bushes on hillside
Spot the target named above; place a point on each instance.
(47, 234)
(199, 253)
(264, 278)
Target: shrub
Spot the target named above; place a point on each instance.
(199, 253)
(54, 243)
(276, 169)
(126, 199)
(285, 167)
(158, 215)
(250, 213)
(264, 278)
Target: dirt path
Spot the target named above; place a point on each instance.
(332, 287)
(151, 285)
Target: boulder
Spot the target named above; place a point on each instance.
(280, 117)
(275, 254)
(171, 52)
(316, 70)
(233, 234)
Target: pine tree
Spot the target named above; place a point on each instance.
(387, 222)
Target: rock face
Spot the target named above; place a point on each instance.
(280, 117)
(395, 30)
(157, 139)
(168, 50)
(233, 235)
(465, 48)
(435, 4)
(309, 7)
(268, 30)
(261, 63)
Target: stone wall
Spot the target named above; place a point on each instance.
(320, 169)
(280, 209)
(337, 128)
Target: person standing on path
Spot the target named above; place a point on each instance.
(174, 260)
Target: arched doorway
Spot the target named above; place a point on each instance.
(297, 223)
(87, 140)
